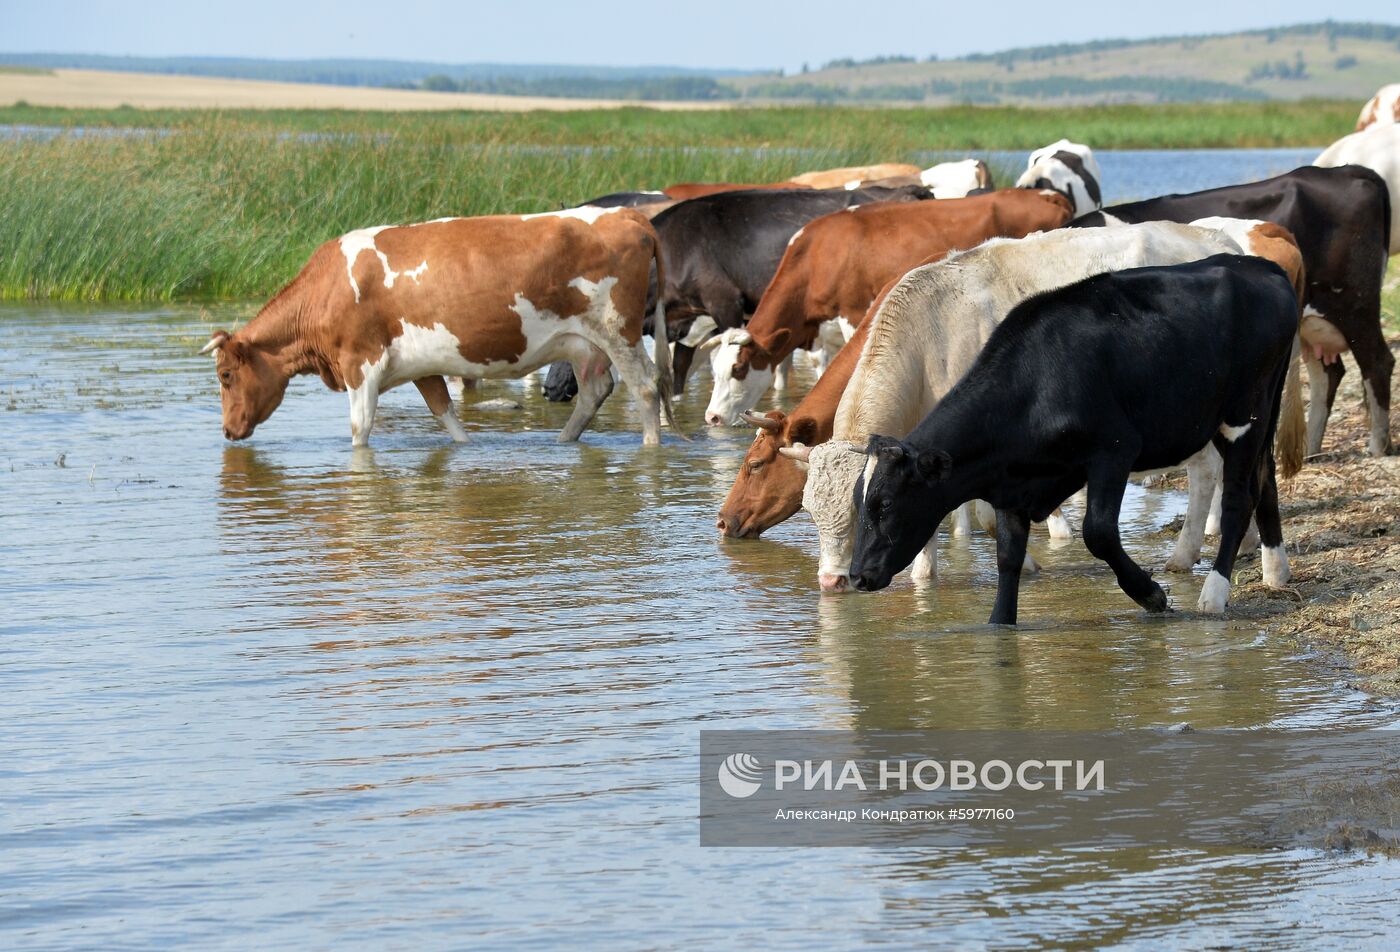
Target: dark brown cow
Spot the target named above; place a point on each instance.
(836, 265)
(472, 297)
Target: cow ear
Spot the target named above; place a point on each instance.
(234, 350)
(778, 341)
(934, 465)
(803, 430)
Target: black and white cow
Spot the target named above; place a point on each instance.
(1068, 168)
(1122, 372)
(721, 251)
(1341, 220)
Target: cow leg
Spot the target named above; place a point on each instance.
(364, 403)
(986, 516)
(636, 369)
(781, 373)
(1013, 529)
(439, 401)
(1377, 387)
(1057, 524)
(1273, 556)
(1317, 401)
(925, 568)
(682, 357)
(1107, 481)
(1241, 484)
(595, 383)
(1202, 477)
(962, 520)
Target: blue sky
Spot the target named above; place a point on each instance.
(721, 33)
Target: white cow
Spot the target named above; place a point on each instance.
(1378, 149)
(1382, 110)
(925, 336)
(1070, 169)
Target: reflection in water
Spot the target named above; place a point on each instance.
(423, 690)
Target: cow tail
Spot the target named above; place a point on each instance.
(661, 348)
(1292, 431)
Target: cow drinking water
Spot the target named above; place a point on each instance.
(1122, 372)
(497, 296)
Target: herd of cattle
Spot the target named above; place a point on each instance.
(980, 352)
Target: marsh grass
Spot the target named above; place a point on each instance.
(200, 205)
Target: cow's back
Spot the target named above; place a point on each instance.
(935, 321)
(490, 280)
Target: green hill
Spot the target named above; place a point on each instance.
(1318, 60)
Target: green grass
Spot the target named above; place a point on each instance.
(884, 133)
(229, 206)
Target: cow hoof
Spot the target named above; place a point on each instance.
(1156, 601)
(1215, 594)
(1179, 563)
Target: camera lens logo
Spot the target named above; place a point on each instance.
(740, 775)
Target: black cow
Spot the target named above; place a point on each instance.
(721, 251)
(1122, 372)
(627, 200)
(1341, 219)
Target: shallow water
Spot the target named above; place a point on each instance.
(290, 693)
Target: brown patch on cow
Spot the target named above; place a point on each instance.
(1277, 244)
(840, 262)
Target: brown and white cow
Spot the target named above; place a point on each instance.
(1382, 110)
(836, 265)
(768, 487)
(496, 296)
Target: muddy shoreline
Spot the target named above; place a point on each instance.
(1341, 518)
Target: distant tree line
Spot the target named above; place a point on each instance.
(687, 88)
(985, 91)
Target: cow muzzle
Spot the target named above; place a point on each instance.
(834, 584)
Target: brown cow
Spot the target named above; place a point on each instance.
(768, 487)
(836, 265)
(496, 296)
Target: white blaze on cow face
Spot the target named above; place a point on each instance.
(1070, 169)
(731, 396)
(833, 468)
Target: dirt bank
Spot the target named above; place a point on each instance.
(1341, 520)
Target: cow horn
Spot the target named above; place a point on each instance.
(215, 342)
(710, 343)
(762, 422)
(798, 451)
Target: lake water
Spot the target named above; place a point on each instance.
(288, 693)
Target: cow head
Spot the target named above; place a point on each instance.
(250, 386)
(743, 372)
(768, 488)
(898, 506)
(1068, 168)
(833, 469)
